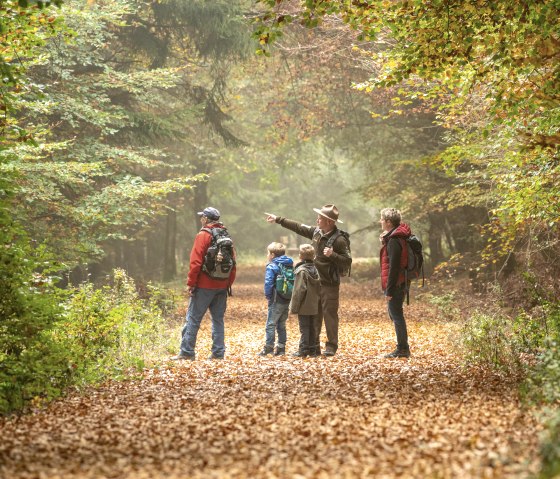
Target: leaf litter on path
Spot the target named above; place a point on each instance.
(350, 416)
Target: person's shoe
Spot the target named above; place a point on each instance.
(267, 350)
(182, 357)
(213, 356)
(314, 352)
(300, 354)
(399, 353)
(280, 351)
(329, 352)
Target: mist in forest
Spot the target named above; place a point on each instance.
(197, 119)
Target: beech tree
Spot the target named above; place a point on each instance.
(491, 69)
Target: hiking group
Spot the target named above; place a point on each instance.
(309, 289)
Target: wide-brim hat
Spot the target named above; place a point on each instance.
(328, 211)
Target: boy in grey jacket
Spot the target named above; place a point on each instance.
(305, 301)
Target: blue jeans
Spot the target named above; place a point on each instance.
(396, 313)
(276, 322)
(200, 302)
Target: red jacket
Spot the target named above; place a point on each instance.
(198, 278)
(393, 258)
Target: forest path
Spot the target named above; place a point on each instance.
(354, 415)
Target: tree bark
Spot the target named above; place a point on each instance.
(169, 255)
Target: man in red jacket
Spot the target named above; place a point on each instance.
(205, 292)
(393, 260)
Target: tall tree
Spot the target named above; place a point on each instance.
(121, 108)
(493, 67)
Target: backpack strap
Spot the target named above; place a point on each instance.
(212, 232)
(404, 252)
(333, 238)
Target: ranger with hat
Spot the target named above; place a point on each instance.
(331, 257)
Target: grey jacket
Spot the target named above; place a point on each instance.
(307, 286)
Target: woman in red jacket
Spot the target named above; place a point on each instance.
(393, 260)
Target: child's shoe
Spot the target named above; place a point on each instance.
(301, 353)
(280, 351)
(266, 350)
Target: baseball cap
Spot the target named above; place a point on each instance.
(210, 213)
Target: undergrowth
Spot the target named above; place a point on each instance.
(75, 337)
(526, 345)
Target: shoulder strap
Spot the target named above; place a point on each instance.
(404, 249)
(215, 232)
(333, 238)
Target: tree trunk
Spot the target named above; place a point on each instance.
(154, 251)
(434, 240)
(200, 200)
(169, 256)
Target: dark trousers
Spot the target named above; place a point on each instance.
(396, 313)
(307, 326)
(328, 313)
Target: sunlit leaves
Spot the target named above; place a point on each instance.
(492, 70)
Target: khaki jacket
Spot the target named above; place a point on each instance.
(307, 287)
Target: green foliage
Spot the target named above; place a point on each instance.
(550, 448)
(111, 330)
(32, 363)
(101, 184)
(51, 339)
(116, 104)
(446, 305)
(490, 70)
(543, 383)
(488, 339)
(24, 28)
(528, 346)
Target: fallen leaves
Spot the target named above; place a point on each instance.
(353, 415)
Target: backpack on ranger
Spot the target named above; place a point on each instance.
(285, 281)
(341, 271)
(221, 244)
(415, 262)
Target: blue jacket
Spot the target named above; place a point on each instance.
(272, 270)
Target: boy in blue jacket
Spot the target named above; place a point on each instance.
(278, 304)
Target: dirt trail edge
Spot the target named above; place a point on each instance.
(351, 416)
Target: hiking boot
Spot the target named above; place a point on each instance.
(267, 350)
(280, 351)
(182, 357)
(213, 356)
(399, 353)
(300, 354)
(329, 352)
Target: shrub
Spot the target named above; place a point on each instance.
(111, 330)
(445, 304)
(550, 448)
(489, 340)
(32, 363)
(51, 339)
